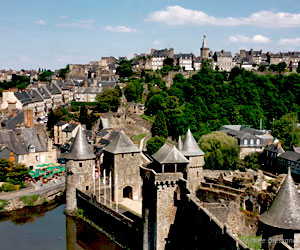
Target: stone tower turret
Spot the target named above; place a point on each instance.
(80, 170)
(204, 49)
(122, 158)
(194, 170)
(281, 223)
(160, 184)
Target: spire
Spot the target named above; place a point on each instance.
(169, 154)
(284, 212)
(204, 43)
(190, 146)
(121, 144)
(179, 146)
(80, 148)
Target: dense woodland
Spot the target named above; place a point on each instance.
(210, 99)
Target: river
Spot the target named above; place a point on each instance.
(48, 228)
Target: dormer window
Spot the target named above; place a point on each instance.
(257, 142)
(251, 142)
(31, 148)
(245, 142)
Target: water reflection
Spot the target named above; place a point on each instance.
(46, 227)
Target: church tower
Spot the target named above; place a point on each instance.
(194, 170)
(281, 223)
(204, 49)
(80, 170)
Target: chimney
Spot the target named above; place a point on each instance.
(269, 143)
(28, 118)
(11, 106)
(279, 145)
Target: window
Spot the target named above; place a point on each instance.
(251, 142)
(87, 188)
(245, 142)
(257, 142)
(80, 164)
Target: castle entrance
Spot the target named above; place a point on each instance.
(127, 192)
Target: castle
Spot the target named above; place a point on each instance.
(172, 216)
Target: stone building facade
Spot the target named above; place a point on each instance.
(122, 158)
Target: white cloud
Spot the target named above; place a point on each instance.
(157, 42)
(81, 24)
(120, 29)
(63, 17)
(41, 22)
(290, 41)
(176, 15)
(245, 39)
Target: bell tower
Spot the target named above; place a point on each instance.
(204, 49)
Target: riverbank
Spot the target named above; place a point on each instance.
(30, 197)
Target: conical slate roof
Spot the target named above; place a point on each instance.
(169, 154)
(81, 149)
(190, 146)
(121, 144)
(179, 146)
(284, 213)
(204, 43)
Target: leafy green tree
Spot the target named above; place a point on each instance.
(286, 130)
(169, 62)
(154, 144)
(298, 68)
(281, 66)
(17, 174)
(133, 91)
(252, 161)
(109, 100)
(4, 166)
(221, 151)
(63, 72)
(91, 119)
(83, 114)
(118, 90)
(45, 76)
(124, 69)
(159, 127)
(262, 68)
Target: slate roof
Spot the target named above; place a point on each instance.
(168, 154)
(80, 149)
(102, 133)
(70, 127)
(23, 97)
(223, 54)
(10, 140)
(190, 146)
(204, 43)
(61, 123)
(290, 155)
(275, 148)
(284, 211)
(121, 144)
(180, 144)
(53, 88)
(44, 92)
(105, 123)
(12, 122)
(35, 95)
(161, 53)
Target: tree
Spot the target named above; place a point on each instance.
(169, 62)
(154, 144)
(133, 91)
(17, 174)
(124, 68)
(281, 66)
(286, 130)
(262, 68)
(252, 161)
(118, 90)
(221, 151)
(63, 72)
(45, 76)
(159, 127)
(4, 166)
(83, 114)
(108, 100)
(298, 68)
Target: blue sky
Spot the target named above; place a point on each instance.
(53, 33)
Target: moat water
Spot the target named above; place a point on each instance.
(48, 228)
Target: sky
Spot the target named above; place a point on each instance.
(53, 33)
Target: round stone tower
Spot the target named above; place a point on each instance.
(80, 170)
(280, 225)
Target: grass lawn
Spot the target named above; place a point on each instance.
(148, 118)
(253, 242)
(138, 138)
